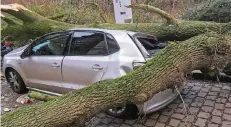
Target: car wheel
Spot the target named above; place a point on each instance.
(16, 82)
(129, 111)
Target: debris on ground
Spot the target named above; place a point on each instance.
(24, 99)
(6, 110)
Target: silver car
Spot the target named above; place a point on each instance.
(60, 62)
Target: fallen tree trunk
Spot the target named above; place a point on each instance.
(165, 70)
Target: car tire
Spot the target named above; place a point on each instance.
(16, 82)
(129, 111)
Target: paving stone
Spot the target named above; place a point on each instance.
(199, 99)
(190, 96)
(201, 122)
(158, 124)
(205, 90)
(221, 100)
(174, 122)
(178, 116)
(213, 125)
(180, 111)
(227, 110)
(190, 84)
(184, 92)
(196, 104)
(168, 112)
(216, 119)
(150, 122)
(102, 125)
(229, 99)
(115, 125)
(219, 106)
(226, 124)
(226, 88)
(213, 93)
(137, 125)
(130, 122)
(225, 91)
(118, 121)
(209, 103)
(189, 118)
(217, 112)
(204, 115)
(226, 117)
(173, 106)
(154, 116)
(106, 120)
(182, 105)
(177, 101)
(125, 125)
(196, 88)
(216, 89)
(206, 109)
(185, 124)
(228, 105)
(208, 85)
(224, 95)
(188, 101)
(142, 120)
(101, 115)
(202, 94)
(95, 121)
(163, 118)
(193, 110)
(211, 97)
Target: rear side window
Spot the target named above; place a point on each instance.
(88, 43)
(111, 43)
(148, 43)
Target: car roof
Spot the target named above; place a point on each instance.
(107, 30)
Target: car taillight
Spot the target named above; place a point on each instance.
(137, 64)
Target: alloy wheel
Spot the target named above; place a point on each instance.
(14, 81)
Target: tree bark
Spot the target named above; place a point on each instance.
(164, 70)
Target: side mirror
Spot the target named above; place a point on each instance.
(27, 52)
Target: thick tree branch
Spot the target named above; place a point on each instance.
(163, 14)
(8, 20)
(183, 31)
(20, 12)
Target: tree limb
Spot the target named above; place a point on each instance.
(20, 12)
(163, 14)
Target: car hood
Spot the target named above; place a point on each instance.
(18, 51)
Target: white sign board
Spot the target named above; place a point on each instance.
(122, 13)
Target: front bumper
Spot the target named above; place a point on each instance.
(158, 101)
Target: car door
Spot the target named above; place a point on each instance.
(43, 67)
(86, 61)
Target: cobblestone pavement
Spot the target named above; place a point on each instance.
(208, 104)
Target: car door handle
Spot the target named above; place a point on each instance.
(97, 67)
(55, 65)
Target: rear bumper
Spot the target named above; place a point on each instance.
(159, 101)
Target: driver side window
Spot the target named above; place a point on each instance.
(53, 44)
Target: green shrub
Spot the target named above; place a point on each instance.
(215, 10)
